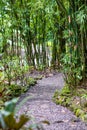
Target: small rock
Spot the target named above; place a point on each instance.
(50, 75)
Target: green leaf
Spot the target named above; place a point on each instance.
(2, 123)
(10, 121)
(23, 119)
(10, 105)
(12, 124)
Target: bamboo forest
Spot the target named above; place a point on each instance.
(43, 64)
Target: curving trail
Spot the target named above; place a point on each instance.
(41, 107)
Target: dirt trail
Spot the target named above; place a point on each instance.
(41, 107)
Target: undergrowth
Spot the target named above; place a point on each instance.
(76, 101)
(7, 92)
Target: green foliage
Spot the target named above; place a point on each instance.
(31, 25)
(73, 74)
(41, 67)
(7, 117)
(4, 92)
(63, 97)
(76, 102)
(13, 79)
(15, 90)
(65, 91)
(12, 124)
(31, 81)
(13, 70)
(10, 105)
(84, 100)
(84, 96)
(10, 91)
(56, 94)
(79, 112)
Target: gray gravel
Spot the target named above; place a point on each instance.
(40, 106)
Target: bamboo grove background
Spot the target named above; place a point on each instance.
(47, 33)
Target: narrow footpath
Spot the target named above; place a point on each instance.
(41, 107)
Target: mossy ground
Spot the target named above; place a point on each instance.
(75, 100)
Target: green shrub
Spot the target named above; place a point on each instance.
(7, 117)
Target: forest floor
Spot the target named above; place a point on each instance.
(41, 107)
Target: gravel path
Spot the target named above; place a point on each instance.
(41, 107)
